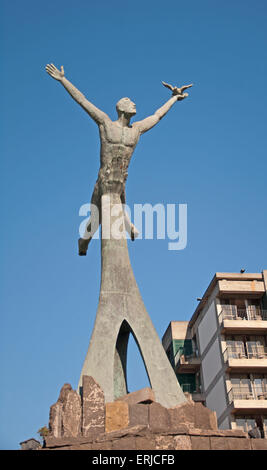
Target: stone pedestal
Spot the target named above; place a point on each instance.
(136, 422)
(76, 415)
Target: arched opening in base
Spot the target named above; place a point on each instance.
(130, 371)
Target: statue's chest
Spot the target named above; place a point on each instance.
(115, 134)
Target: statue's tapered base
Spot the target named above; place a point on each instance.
(121, 311)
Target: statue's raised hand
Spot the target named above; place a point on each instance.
(54, 72)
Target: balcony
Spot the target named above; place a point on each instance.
(248, 397)
(251, 313)
(253, 318)
(186, 362)
(247, 357)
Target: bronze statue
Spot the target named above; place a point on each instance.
(118, 141)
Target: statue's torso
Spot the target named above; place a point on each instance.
(117, 146)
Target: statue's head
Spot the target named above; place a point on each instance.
(126, 106)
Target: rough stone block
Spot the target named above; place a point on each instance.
(219, 443)
(130, 431)
(51, 442)
(145, 395)
(65, 414)
(233, 433)
(145, 443)
(105, 445)
(164, 443)
(55, 419)
(213, 420)
(71, 415)
(259, 444)
(205, 418)
(84, 447)
(117, 416)
(200, 442)
(182, 443)
(93, 407)
(125, 443)
(236, 443)
(159, 418)
(138, 414)
(64, 392)
(183, 414)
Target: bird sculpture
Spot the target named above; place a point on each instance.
(177, 91)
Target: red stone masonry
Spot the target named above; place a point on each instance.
(136, 422)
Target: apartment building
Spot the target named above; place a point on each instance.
(220, 355)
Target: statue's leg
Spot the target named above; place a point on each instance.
(129, 226)
(92, 224)
(84, 242)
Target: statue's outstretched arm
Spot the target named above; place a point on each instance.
(151, 121)
(96, 114)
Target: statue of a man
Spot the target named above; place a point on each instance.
(118, 141)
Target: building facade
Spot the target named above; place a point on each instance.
(220, 355)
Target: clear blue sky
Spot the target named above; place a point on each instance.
(209, 152)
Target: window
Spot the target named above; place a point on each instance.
(236, 349)
(260, 386)
(184, 346)
(194, 346)
(253, 309)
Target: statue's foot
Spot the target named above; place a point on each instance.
(83, 246)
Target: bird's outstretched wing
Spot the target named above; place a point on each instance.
(185, 87)
(167, 86)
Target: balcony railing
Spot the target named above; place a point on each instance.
(239, 352)
(247, 392)
(189, 388)
(232, 312)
